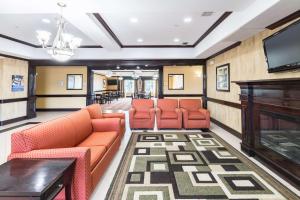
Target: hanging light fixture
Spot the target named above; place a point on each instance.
(64, 44)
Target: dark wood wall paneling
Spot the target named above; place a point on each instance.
(284, 20)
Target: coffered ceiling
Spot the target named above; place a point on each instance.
(138, 29)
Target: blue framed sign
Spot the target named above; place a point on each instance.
(17, 83)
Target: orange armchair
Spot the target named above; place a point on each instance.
(142, 114)
(194, 116)
(96, 113)
(168, 115)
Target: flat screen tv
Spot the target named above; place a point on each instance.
(112, 82)
(282, 49)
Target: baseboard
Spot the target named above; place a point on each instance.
(14, 120)
(227, 128)
(56, 109)
(18, 126)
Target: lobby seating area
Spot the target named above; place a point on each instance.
(150, 100)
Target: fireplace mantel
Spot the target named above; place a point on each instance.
(271, 124)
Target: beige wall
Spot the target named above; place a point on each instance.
(9, 67)
(247, 62)
(52, 80)
(193, 79)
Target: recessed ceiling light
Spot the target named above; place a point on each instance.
(134, 20)
(187, 19)
(176, 40)
(140, 40)
(47, 21)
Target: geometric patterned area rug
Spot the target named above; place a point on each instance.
(195, 165)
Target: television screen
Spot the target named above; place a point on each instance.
(282, 49)
(112, 82)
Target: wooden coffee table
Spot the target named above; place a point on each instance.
(36, 178)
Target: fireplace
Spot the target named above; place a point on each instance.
(271, 124)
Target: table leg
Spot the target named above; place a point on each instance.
(68, 192)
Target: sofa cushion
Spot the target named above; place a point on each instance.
(58, 133)
(196, 115)
(169, 115)
(97, 152)
(95, 111)
(82, 124)
(142, 115)
(99, 139)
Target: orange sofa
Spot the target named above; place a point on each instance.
(142, 114)
(93, 142)
(168, 115)
(194, 116)
(96, 113)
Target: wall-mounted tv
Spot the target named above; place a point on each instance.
(282, 49)
(112, 82)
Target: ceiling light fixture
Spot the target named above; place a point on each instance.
(176, 40)
(64, 44)
(140, 40)
(134, 20)
(187, 19)
(47, 21)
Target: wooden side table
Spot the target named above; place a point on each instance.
(35, 178)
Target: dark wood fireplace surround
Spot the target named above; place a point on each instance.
(275, 98)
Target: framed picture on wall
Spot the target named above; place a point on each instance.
(176, 81)
(17, 84)
(74, 81)
(223, 78)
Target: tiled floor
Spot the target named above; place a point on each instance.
(106, 180)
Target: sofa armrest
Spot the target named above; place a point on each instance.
(152, 113)
(81, 184)
(114, 115)
(179, 113)
(108, 124)
(205, 112)
(158, 112)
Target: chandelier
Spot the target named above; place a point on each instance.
(64, 44)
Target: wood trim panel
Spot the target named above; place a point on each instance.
(225, 49)
(40, 46)
(227, 128)
(183, 95)
(226, 103)
(2, 101)
(18, 126)
(217, 23)
(14, 120)
(56, 109)
(284, 20)
(108, 29)
(124, 64)
(60, 95)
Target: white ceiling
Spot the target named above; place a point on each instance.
(159, 22)
(159, 28)
(24, 26)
